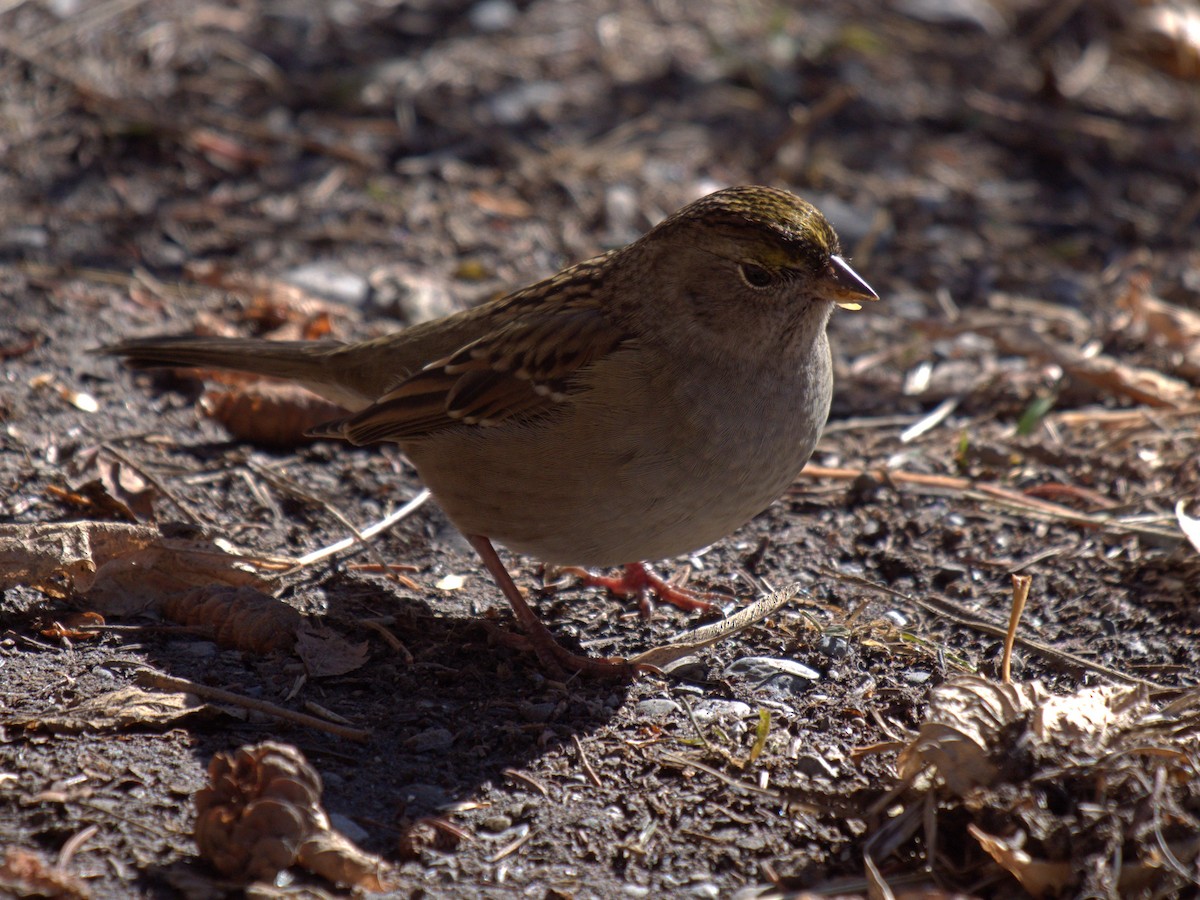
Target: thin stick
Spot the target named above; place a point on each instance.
(382, 525)
(187, 512)
(151, 678)
(1021, 504)
(587, 766)
(942, 606)
(1020, 594)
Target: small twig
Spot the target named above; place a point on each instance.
(935, 418)
(587, 766)
(72, 846)
(388, 638)
(1017, 502)
(1020, 596)
(186, 511)
(152, 678)
(366, 534)
(511, 848)
(518, 775)
(941, 606)
(289, 487)
(672, 759)
(696, 725)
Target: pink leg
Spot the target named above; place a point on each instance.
(548, 650)
(640, 581)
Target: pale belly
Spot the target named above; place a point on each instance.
(625, 477)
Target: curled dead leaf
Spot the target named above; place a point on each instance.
(958, 737)
(60, 559)
(127, 707)
(1037, 876)
(24, 873)
(269, 413)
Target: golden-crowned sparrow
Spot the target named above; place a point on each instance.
(638, 405)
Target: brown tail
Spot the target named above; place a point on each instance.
(305, 362)
(282, 359)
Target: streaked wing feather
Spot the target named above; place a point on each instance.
(522, 369)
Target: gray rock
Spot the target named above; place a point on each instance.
(431, 740)
(329, 281)
(781, 673)
(656, 708)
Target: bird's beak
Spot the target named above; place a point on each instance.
(844, 287)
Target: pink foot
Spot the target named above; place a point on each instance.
(640, 581)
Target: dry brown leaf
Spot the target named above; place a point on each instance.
(326, 653)
(128, 707)
(24, 873)
(1037, 876)
(512, 207)
(1162, 323)
(965, 716)
(59, 559)
(275, 306)
(145, 578)
(335, 858)
(269, 413)
(1082, 720)
(1139, 384)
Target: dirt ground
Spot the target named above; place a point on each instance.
(1020, 182)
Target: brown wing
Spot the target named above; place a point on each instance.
(524, 368)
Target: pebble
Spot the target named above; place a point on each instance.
(330, 282)
(431, 740)
(492, 15)
(348, 827)
(656, 708)
(692, 667)
(835, 646)
(781, 673)
(400, 292)
(496, 823)
(708, 710)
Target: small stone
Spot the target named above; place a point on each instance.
(330, 282)
(536, 712)
(835, 646)
(656, 708)
(814, 766)
(348, 827)
(432, 740)
(786, 673)
(492, 15)
(708, 710)
(400, 292)
(692, 667)
(496, 823)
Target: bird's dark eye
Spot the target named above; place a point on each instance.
(755, 276)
